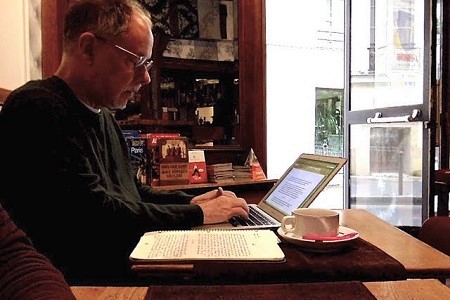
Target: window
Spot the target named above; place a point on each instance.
(305, 82)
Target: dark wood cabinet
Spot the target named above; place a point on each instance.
(181, 89)
(194, 79)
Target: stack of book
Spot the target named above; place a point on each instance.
(220, 173)
(242, 172)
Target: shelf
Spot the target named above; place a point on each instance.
(218, 148)
(154, 122)
(195, 65)
(251, 191)
(210, 185)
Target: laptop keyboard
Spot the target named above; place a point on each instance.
(254, 218)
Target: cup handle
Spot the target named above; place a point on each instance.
(288, 223)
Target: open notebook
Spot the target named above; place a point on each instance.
(298, 187)
(181, 246)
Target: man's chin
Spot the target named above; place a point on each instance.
(121, 103)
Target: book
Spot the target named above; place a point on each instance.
(152, 138)
(173, 161)
(153, 154)
(220, 173)
(207, 245)
(242, 172)
(137, 151)
(131, 133)
(197, 167)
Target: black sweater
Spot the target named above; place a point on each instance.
(66, 170)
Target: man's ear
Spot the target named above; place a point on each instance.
(86, 45)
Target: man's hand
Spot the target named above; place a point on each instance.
(219, 206)
(214, 194)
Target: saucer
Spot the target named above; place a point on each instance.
(320, 246)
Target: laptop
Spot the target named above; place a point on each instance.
(298, 187)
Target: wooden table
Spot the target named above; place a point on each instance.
(409, 289)
(403, 289)
(419, 259)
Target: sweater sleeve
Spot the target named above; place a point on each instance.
(25, 273)
(150, 195)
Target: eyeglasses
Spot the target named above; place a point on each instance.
(141, 60)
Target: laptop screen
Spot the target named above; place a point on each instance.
(297, 186)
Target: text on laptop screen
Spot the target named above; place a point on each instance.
(295, 187)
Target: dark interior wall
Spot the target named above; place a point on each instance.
(52, 16)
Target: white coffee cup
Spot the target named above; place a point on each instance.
(311, 222)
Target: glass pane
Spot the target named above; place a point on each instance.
(329, 129)
(305, 83)
(387, 47)
(386, 176)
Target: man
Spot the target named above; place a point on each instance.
(68, 181)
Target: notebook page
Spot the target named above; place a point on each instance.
(208, 245)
